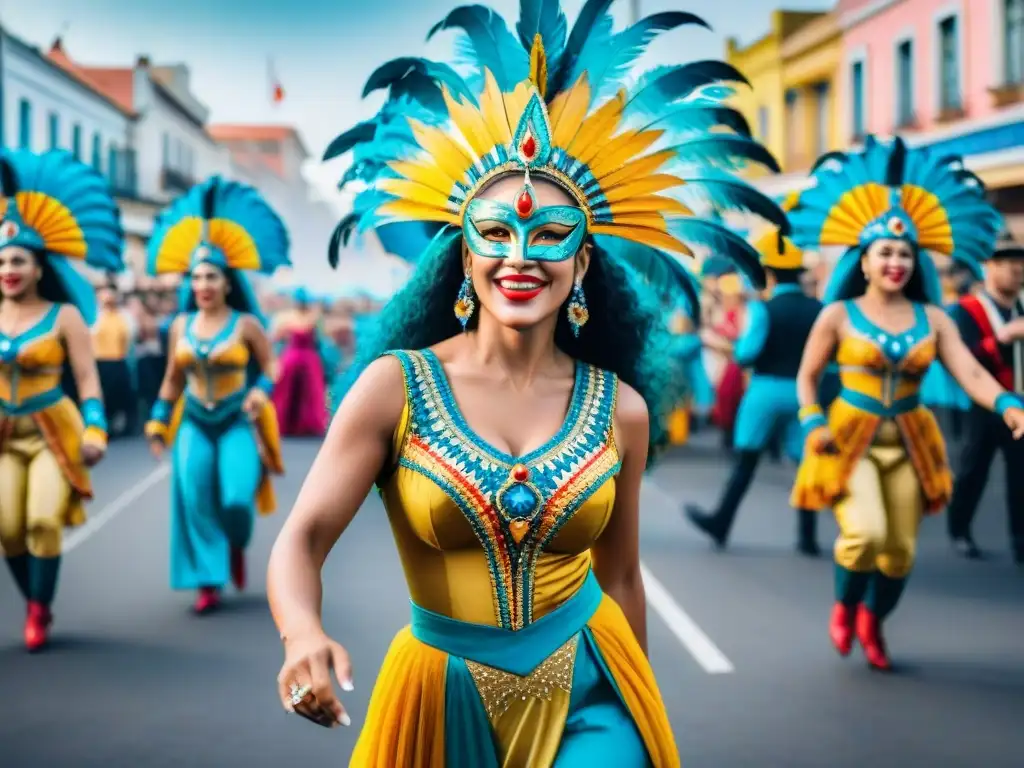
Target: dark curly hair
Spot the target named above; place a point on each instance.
(626, 333)
(856, 284)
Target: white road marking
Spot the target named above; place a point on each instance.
(95, 522)
(693, 638)
(679, 622)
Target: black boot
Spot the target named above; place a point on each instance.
(43, 578)
(19, 567)
(718, 525)
(807, 533)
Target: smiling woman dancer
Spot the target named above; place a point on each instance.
(508, 437)
(223, 428)
(53, 209)
(879, 458)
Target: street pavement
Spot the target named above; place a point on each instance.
(737, 639)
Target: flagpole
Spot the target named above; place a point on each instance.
(634, 11)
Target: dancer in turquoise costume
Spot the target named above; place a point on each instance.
(517, 526)
(221, 428)
(53, 210)
(771, 343)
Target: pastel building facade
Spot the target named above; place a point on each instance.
(948, 74)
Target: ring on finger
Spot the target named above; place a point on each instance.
(299, 693)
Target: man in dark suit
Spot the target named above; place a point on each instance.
(991, 323)
(771, 345)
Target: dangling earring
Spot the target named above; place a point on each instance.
(577, 309)
(464, 304)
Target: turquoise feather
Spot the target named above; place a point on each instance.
(544, 18)
(496, 47)
(606, 63)
(83, 191)
(234, 202)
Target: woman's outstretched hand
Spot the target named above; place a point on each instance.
(309, 659)
(1014, 418)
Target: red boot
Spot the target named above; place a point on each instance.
(869, 634)
(207, 600)
(238, 568)
(840, 628)
(37, 626)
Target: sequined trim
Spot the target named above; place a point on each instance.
(498, 689)
(516, 506)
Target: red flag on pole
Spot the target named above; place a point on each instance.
(276, 89)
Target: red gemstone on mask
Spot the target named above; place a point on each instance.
(524, 204)
(529, 147)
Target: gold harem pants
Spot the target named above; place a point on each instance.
(34, 494)
(879, 518)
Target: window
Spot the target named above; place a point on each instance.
(1013, 45)
(823, 127)
(762, 123)
(54, 130)
(904, 83)
(76, 141)
(112, 166)
(949, 64)
(97, 152)
(25, 124)
(792, 137)
(857, 94)
(167, 151)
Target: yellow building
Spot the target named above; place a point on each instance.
(792, 105)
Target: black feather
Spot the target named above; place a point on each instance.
(358, 134)
(210, 200)
(897, 164)
(841, 157)
(8, 181)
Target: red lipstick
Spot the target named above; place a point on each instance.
(896, 275)
(520, 288)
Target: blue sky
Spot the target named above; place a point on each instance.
(323, 50)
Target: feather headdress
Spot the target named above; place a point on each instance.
(59, 206)
(226, 223)
(549, 102)
(888, 191)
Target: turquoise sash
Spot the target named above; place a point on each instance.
(517, 651)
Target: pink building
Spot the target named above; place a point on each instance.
(942, 73)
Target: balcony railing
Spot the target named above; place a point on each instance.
(175, 181)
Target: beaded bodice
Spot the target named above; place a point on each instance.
(530, 520)
(882, 371)
(31, 364)
(216, 367)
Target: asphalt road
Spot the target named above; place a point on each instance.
(738, 641)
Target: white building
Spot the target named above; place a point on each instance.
(148, 133)
(44, 106)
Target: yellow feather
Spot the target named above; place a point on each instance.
(492, 108)
(598, 128)
(426, 175)
(768, 246)
(179, 243)
(445, 153)
(570, 114)
(635, 169)
(619, 151)
(408, 211)
(644, 236)
(648, 185)
(836, 233)
(515, 104)
(650, 203)
(235, 242)
(414, 192)
(470, 123)
(790, 201)
(53, 222)
(539, 65)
